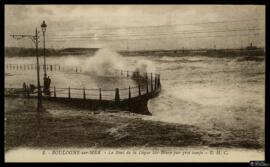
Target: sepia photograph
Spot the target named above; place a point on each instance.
(134, 83)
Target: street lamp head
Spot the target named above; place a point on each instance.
(43, 26)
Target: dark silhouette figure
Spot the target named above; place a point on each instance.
(32, 88)
(47, 83)
(24, 86)
(25, 89)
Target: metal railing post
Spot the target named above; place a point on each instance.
(69, 92)
(117, 95)
(159, 80)
(100, 95)
(54, 92)
(139, 86)
(155, 81)
(151, 82)
(84, 96)
(129, 93)
(147, 91)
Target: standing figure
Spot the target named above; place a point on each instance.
(24, 89)
(45, 85)
(47, 82)
(48, 85)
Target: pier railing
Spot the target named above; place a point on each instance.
(75, 69)
(146, 83)
(49, 67)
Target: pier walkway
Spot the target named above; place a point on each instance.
(133, 98)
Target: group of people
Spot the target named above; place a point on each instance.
(28, 89)
(31, 88)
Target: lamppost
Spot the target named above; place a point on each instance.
(43, 28)
(34, 38)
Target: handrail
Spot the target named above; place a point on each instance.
(152, 82)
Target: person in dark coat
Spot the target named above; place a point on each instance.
(48, 85)
(47, 82)
(45, 85)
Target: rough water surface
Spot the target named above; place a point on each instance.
(205, 101)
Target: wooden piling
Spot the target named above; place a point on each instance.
(51, 67)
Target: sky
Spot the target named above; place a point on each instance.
(138, 27)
